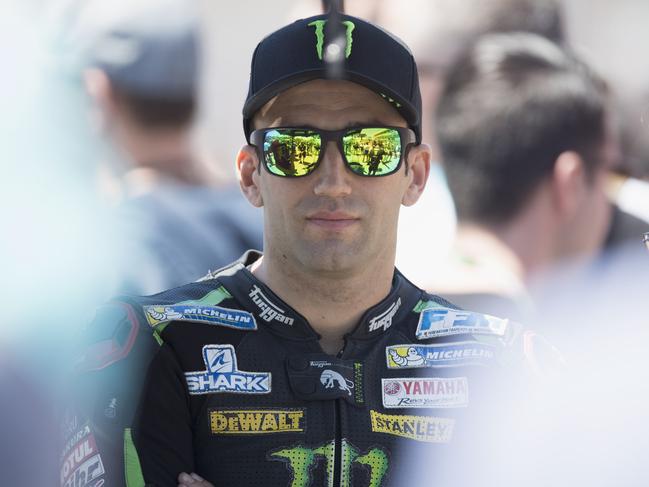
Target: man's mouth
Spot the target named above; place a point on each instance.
(332, 220)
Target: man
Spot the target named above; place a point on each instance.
(526, 143)
(142, 73)
(317, 363)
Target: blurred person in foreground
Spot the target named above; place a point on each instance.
(316, 363)
(176, 218)
(52, 249)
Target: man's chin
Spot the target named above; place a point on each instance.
(332, 257)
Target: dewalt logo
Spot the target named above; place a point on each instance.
(257, 421)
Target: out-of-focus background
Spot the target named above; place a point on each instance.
(110, 184)
(51, 235)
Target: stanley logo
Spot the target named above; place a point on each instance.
(429, 429)
(257, 421)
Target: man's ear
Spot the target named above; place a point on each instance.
(569, 182)
(99, 88)
(418, 162)
(249, 175)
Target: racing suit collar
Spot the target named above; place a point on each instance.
(283, 320)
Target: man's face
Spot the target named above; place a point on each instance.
(332, 220)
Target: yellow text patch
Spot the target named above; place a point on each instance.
(430, 429)
(257, 421)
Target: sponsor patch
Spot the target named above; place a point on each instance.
(317, 377)
(456, 354)
(303, 462)
(74, 439)
(384, 320)
(212, 315)
(257, 421)
(429, 429)
(425, 392)
(83, 465)
(222, 375)
(437, 322)
(331, 379)
(268, 310)
(77, 453)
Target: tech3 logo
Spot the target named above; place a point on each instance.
(301, 461)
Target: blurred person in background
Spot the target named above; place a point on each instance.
(175, 219)
(595, 28)
(526, 139)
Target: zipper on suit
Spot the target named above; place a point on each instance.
(338, 440)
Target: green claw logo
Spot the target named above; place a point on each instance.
(301, 461)
(319, 36)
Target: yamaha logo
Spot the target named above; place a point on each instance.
(391, 387)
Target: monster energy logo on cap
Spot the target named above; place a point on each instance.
(319, 35)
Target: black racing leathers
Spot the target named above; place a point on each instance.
(239, 390)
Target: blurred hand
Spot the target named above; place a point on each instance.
(192, 480)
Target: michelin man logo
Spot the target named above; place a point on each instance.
(222, 375)
(331, 378)
(163, 313)
(453, 354)
(411, 359)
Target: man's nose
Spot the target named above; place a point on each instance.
(333, 178)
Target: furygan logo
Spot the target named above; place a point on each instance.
(269, 311)
(384, 320)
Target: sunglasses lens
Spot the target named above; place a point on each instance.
(291, 152)
(373, 151)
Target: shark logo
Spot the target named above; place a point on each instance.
(222, 375)
(220, 360)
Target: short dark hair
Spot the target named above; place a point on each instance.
(542, 17)
(511, 105)
(156, 112)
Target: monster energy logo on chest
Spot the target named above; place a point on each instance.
(301, 460)
(319, 35)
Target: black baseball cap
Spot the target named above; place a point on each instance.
(374, 58)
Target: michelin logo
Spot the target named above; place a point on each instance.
(221, 374)
(438, 322)
(269, 311)
(455, 354)
(212, 315)
(384, 320)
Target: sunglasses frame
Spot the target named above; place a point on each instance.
(406, 136)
